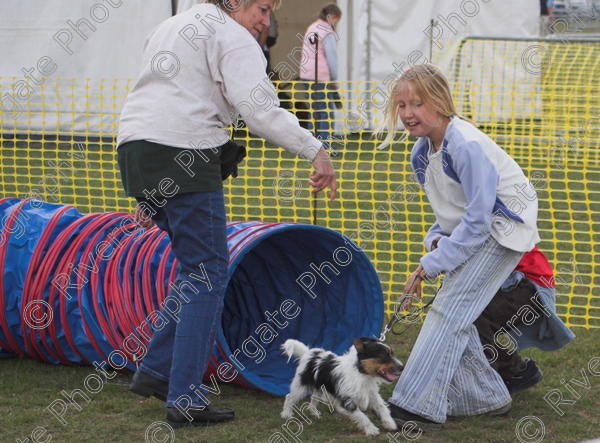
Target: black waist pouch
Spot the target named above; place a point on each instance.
(232, 155)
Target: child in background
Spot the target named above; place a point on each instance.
(524, 308)
(486, 215)
(319, 71)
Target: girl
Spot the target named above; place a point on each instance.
(486, 211)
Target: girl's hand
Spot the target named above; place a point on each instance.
(413, 287)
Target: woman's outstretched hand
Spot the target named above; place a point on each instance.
(324, 175)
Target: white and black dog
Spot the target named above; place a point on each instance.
(352, 379)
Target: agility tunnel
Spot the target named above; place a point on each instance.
(86, 289)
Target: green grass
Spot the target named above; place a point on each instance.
(116, 415)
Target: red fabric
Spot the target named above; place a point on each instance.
(536, 268)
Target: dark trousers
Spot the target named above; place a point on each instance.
(322, 103)
(179, 350)
(501, 313)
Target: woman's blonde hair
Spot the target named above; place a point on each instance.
(225, 4)
(430, 85)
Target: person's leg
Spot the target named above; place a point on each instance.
(320, 114)
(434, 359)
(331, 98)
(157, 363)
(518, 373)
(475, 387)
(179, 352)
(302, 93)
(499, 314)
(504, 359)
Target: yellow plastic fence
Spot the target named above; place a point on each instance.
(57, 144)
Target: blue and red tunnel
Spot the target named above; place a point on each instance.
(79, 289)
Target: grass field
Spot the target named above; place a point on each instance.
(114, 414)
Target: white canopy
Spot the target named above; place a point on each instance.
(379, 38)
(377, 33)
(49, 47)
(47, 44)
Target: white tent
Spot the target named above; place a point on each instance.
(45, 45)
(375, 34)
(56, 54)
(381, 38)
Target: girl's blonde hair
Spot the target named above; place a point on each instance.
(430, 85)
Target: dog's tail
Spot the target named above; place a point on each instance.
(294, 348)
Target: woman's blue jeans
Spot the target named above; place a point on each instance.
(179, 351)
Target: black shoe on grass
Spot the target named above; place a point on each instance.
(207, 415)
(145, 385)
(402, 416)
(503, 410)
(528, 376)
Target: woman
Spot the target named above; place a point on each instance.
(201, 68)
(320, 69)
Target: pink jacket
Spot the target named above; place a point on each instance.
(307, 68)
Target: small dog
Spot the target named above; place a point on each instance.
(352, 379)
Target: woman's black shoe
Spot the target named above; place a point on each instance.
(208, 414)
(146, 385)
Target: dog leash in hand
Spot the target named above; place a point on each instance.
(396, 318)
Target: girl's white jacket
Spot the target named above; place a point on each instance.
(476, 190)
